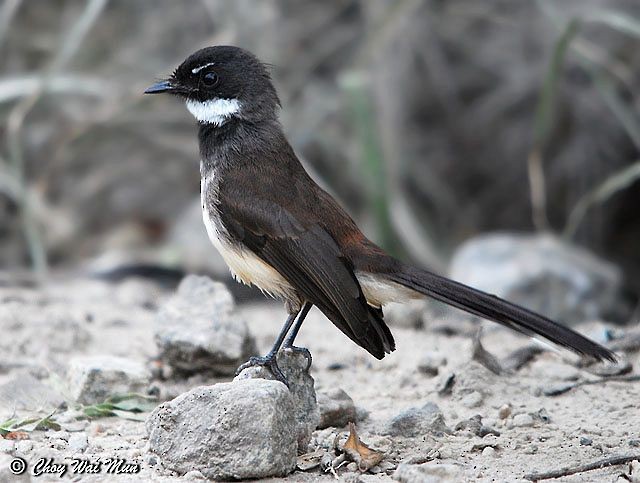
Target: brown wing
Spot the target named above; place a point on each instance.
(311, 261)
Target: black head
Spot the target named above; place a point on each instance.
(222, 82)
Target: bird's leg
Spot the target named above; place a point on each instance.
(270, 359)
(288, 344)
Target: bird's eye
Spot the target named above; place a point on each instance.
(210, 79)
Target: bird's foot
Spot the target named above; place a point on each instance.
(269, 361)
(301, 350)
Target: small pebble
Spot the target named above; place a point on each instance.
(489, 452)
(472, 400)
(76, 426)
(7, 445)
(58, 444)
(430, 364)
(522, 420)
(194, 475)
(387, 465)
(78, 442)
(584, 441)
(490, 422)
(352, 467)
(504, 412)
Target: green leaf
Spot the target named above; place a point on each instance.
(545, 109)
(135, 405)
(129, 415)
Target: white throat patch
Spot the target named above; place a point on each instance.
(214, 111)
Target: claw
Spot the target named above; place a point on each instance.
(268, 361)
(304, 351)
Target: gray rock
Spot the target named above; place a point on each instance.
(78, 442)
(475, 426)
(92, 379)
(416, 421)
(199, 330)
(523, 420)
(541, 273)
(430, 364)
(301, 386)
(431, 472)
(238, 430)
(472, 399)
(473, 377)
(336, 409)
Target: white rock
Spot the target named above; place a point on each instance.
(489, 452)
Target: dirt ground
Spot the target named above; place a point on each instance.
(583, 425)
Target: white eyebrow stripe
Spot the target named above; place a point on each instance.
(199, 68)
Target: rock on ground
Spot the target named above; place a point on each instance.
(541, 273)
(294, 366)
(237, 430)
(199, 330)
(417, 421)
(428, 473)
(92, 379)
(336, 408)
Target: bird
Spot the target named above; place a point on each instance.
(278, 230)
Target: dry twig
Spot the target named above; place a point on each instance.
(596, 465)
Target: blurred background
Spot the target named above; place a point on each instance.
(431, 121)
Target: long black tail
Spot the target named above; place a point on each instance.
(498, 310)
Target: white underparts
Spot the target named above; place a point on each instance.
(380, 291)
(214, 111)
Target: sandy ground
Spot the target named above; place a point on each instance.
(583, 425)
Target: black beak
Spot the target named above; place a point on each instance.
(159, 87)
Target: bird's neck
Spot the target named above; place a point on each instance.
(237, 142)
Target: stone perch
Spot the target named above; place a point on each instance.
(252, 427)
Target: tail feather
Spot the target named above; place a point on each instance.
(498, 310)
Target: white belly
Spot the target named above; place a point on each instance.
(244, 265)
